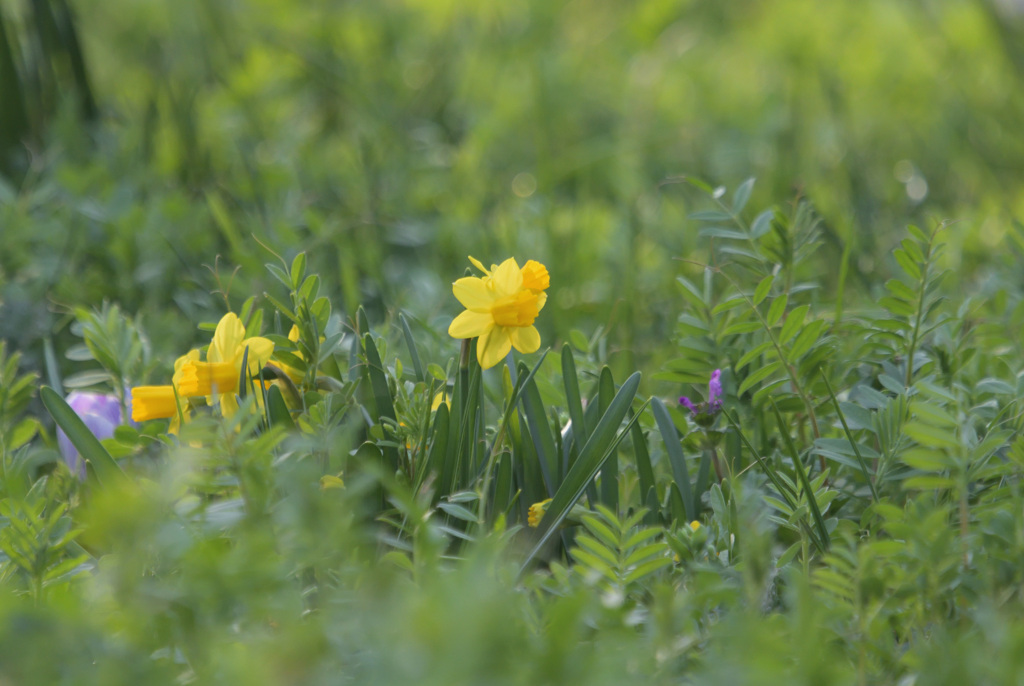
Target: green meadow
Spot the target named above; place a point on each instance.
(452, 342)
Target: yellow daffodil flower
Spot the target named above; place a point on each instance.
(536, 512)
(501, 309)
(220, 373)
(158, 402)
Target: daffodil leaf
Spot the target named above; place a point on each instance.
(670, 436)
(540, 431)
(383, 404)
(602, 444)
(610, 469)
(414, 353)
(438, 446)
(645, 471)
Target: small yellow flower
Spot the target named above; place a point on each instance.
(329, 481)
(536, 513)
(694, 525)
(158, 402)
(220, 373)
(501, 308)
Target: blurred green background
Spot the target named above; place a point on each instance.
(391, 139)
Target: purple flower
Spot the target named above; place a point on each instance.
(715, 390)
(704, 413)
(101, 412)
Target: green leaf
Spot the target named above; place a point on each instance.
(794, 320)
(540, 431)
(753, 354)
(676, 456)
(777, 309)
(762, 224)
(610, 469)
(298, 271)
(414, 353)
(931, 436)
(742, 195)
(763, 288)
(742, 327)
(758, 376)
(382, 401)
(642, 459)
(277, 410)
(87, 445)
(601, 445)
(928, 483)
(572, 396)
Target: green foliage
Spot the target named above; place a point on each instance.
(379, 509)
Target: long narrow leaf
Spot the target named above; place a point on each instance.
(414, 353)
(610, 470)
(383, 404)
(540, 431)
(599, 448)
(644, 470)
(675, 455)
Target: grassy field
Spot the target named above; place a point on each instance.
(247, 228)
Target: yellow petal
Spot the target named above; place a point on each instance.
(470, 325)
(535, 276)
(260, 350)
(293, 334)
(179, 364)
(507, 278)
(541, 299)
(226, 339)
(473, 293)
(479, 265)
(526, 339)
(492, 347)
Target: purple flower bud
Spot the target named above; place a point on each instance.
(715, 388)
(688, 404)
(101, 412)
